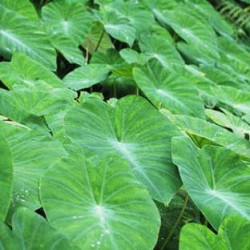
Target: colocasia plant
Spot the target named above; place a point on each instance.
(124, 125)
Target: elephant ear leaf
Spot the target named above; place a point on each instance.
(31, 231)
(142, 139)
(20, 34)
(116, 23)
(32, 152)
(169, 90)
(215, 178)
(67, 24)
(194, 30)
(99, 205)
(234, 233)
(6, 177)
(24, 8)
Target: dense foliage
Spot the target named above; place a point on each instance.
(124, 124)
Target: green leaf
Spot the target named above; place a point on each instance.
(195, 31)
(236, 56)
(212, 134)
(27, 106)
(140, 18)
(204, 9)
(6, 176)
(31, 231)
(160, 47)
(69, 20)
(116, 23)
(132, 130)
(32, 153)
(215, 178)
(67, 24)
(19, 34)
(24, 8)
(110, 58)
(222, 77)
(132, 56)
(70, 51)
(8, 240)
(169, 90)
(194, 55)
(228, 120)
(99, 206)
(235, 98)
(233, 234)
(86, 76)
(24, 71)
(93, 38)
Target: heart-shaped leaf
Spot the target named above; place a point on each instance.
(215, 178)
(99, 206)
(116, 23)
(67, 24)
(234, 233)
(132, 130)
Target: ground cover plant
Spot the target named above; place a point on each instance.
(123, 125)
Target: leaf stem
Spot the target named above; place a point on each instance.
(137, 91)
(176, 224)
(205, 222)
(100, 40)
(87, 56)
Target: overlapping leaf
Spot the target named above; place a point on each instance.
(19, 34)
(233, 234)
(24, 8)
(193, 30)
(67, 24)
(161, 47)
(31, 231)
(24, 71)
(235, 98)
(6, 177)
(204, 132)
(86, 76)
(215, 178)
(32, 153)
(168, 89)
(228, 120)
(132, 130)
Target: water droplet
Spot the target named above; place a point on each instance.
(107, 231)
(92, 245)
(98, 243)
